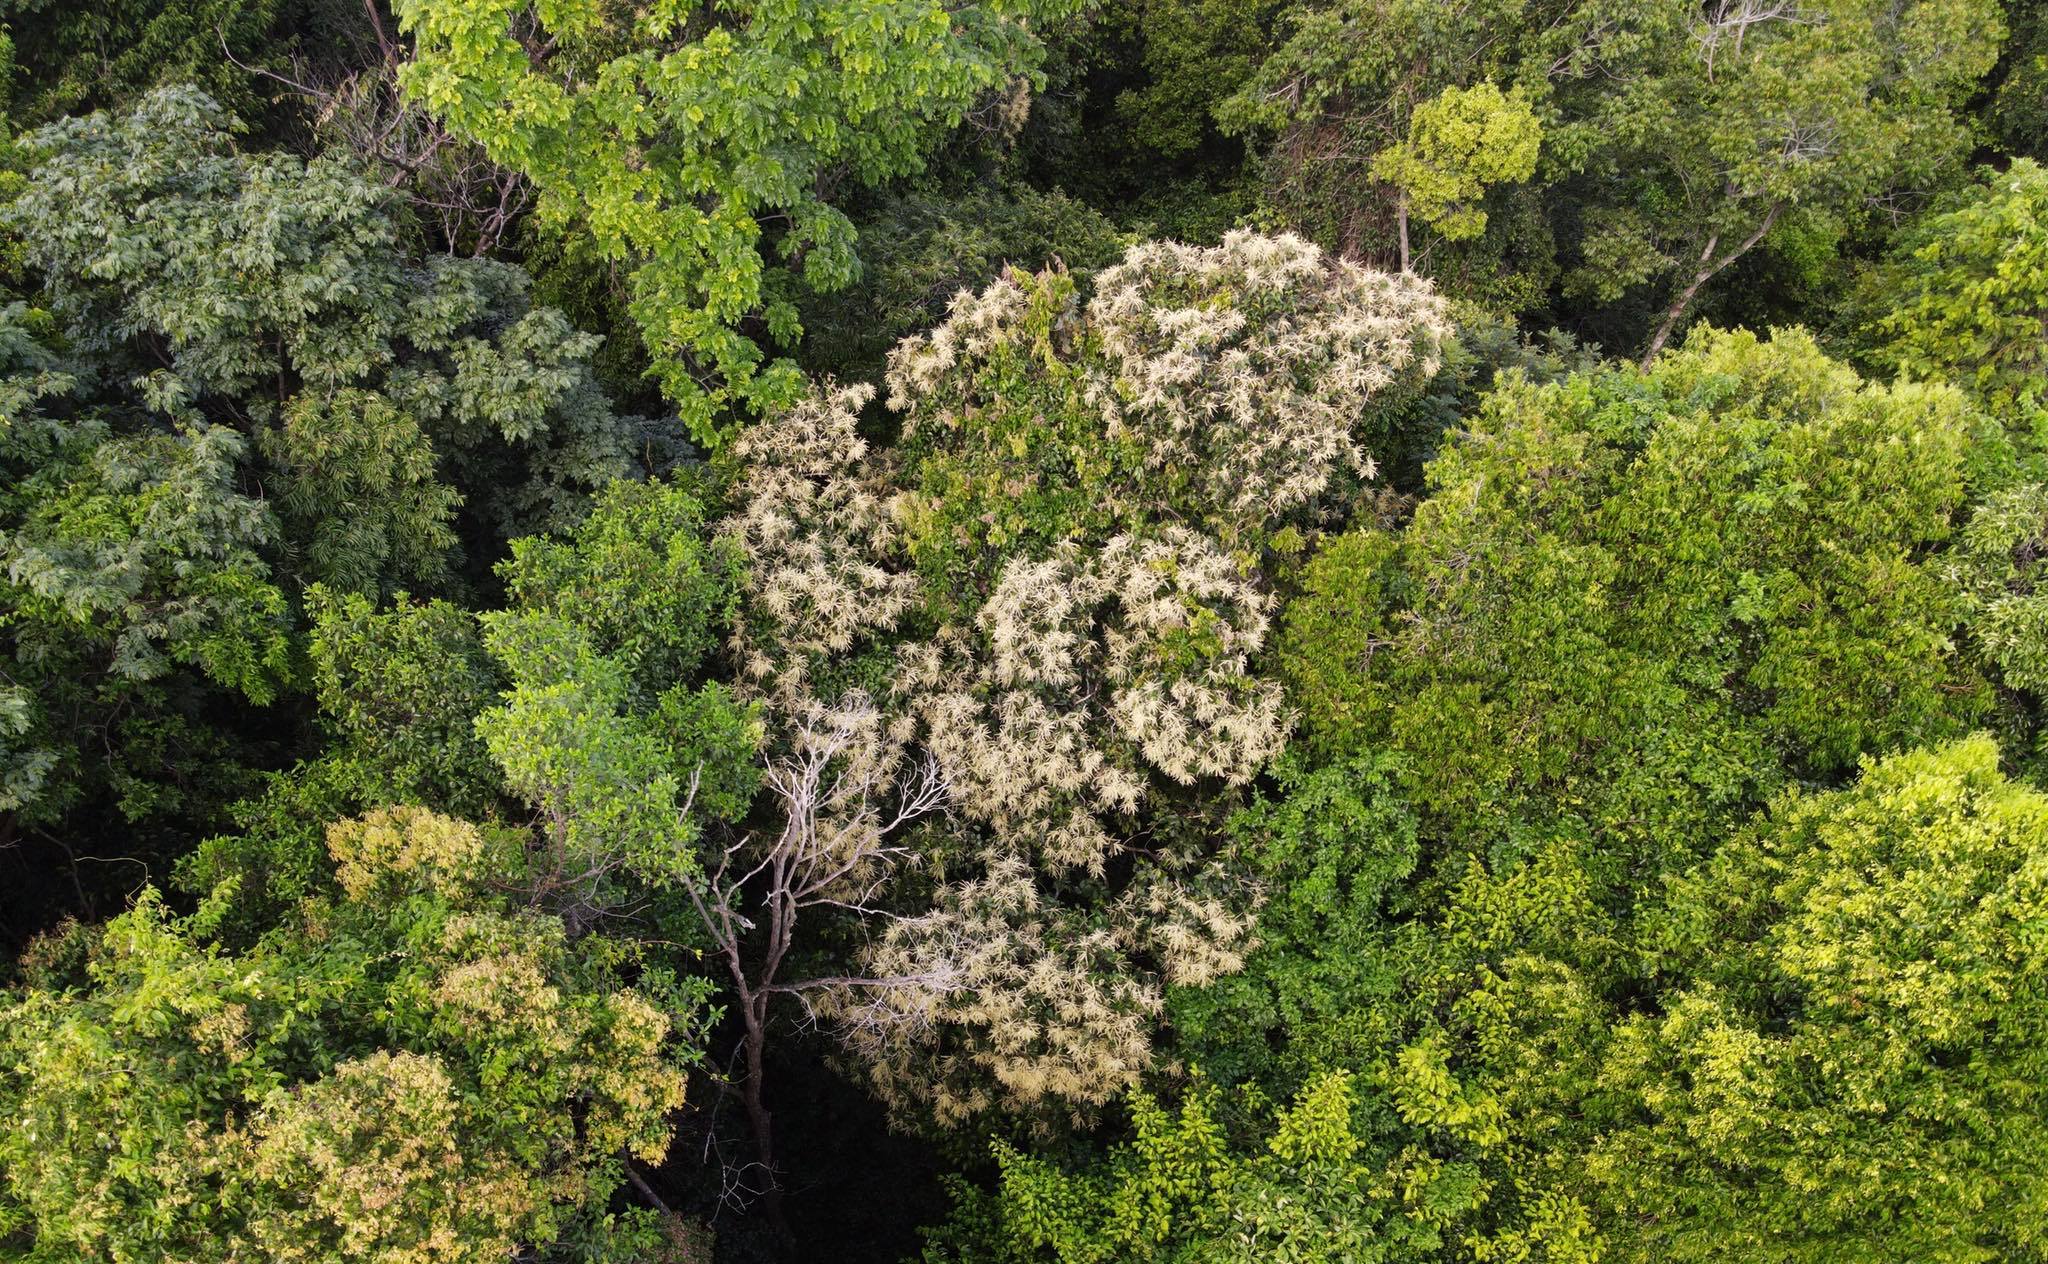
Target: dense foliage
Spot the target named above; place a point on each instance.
(1171, 630)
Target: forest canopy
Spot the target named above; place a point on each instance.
(1024, 632)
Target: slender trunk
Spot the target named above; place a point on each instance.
(1709, 268)
(758, 1119)
(647, 1191)
(752, 1097)
(1678, 306)
(761, 1123)
(1401, 214)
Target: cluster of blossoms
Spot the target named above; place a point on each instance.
(1010, 999)
(1238, 377)
(1082, 673)
(815, 531)
(1091, 676)
(1242, 371)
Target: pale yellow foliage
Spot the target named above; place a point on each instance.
(491, 977)
(385, 1159)
(409, 844)
(372, 1152)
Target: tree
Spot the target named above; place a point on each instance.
(1636, 601)
(1435, 1040)
(1342, 85)
(1458, 145)
(1237, 389)
(691, 143)
(135, 571)
(398, 691)
(1837, 1017)
(2017, 88)
(1034, 984)
(1760, 112)
(1180, 1190)
(1677, 139)
(406, 1069)
(197, 283)
(604, 728)
(1099, 606)
(238, 385)
(75, 60)
(1962, 298)
(1851, 1023)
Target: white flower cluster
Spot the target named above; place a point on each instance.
(977, 327)
(1006, 999)
(1247, 367)
(816, 531)
(1241, 372)
(1082, 661)
(1045, 1008)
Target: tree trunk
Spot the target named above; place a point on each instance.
(760, 1123)
(1709, 268)
(1401, 214)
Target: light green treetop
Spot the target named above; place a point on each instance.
(1459, 144)
(1848, 1065)
(697, 141)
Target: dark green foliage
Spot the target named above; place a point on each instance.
(135, 571)
(194, 283)
(398, 693)
(1266, 748)
(1962, 299)
(1335, 848)
(74, 58)
(238, 385)
(1485, 347)
(920, 250)
(2017, 113)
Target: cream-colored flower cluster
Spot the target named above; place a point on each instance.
(1083, 674)
(1246, 368)
(815, 529)
(1005, 999)
(977, 327)
(1241, 373)
(1087, 670)
(1087, 683)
